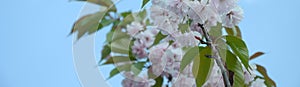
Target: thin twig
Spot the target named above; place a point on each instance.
(216, 56)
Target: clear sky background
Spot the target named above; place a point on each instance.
(36, 52)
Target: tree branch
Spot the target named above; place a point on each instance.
(216, 56)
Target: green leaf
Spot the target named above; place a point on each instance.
(234, 31)
(130, 54)
(116, 35)
(222, 48)
(105, 52)
(140, 16)
(189, 57)
(183, 27)
(238, 31)
(205, 65)
(215, 32)
(137, 67)
(257, 54)
(107, 3)
(144, 3)
(127, 20)
(158, 82)
(113, 72)
(120, 46)
(196, 62)
(126, 13)
(235, 66)
(116, 59)
(158, 38)
(148, 22)
(118, 69)
(105, 22)
(239, 47)
(87, 24)
(268, 81)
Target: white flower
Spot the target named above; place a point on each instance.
(172, 67)
(184, 81)
(134, 28)
(135, 81)
(186, 39)
(157, 2)
(146, 37)
(233, 18)
(215, 79)
(258, 83)
(179, 7)
(155, 56)
(156, 52)
(165, 20)
(249, 76)
(195, 11)
(223, 6)
(203, 13)
(139, 50)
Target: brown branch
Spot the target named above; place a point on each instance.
(216, 56)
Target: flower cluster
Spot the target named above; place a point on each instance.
(165, 57)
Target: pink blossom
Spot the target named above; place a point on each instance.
(186, 39)
(135, 81)
(146, 37)
(139, 49)
(184, 81)
(233, 18)
(134, 28)
(223, 6)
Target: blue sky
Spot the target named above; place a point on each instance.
(36, 52)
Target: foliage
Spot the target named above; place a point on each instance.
(178, 41)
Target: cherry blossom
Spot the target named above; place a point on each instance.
(165, 57)
(258, 83)
(223, 6)
(135, 81)
(186, 39)
(139, 49)
(233, 18)
(134, 28)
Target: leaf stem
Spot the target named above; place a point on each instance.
(216, 56)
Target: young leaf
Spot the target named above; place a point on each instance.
(144, 3)
(158, 82)
(136, 68)
(120, 46)
(105, 52)
(234, 31)
(87, 24)
(215, 32)
(158, 38)
(239, 47)
(257, 54)
(116, 59)
(125, 14)
(140, 16)
(189, 57)
(113, 72)
(105, 22)
(238, 31)
(234, 65)
(127, 20)
(268, 81)
(205, 65)
(119, 69)
(130, 54)
(183, 27)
